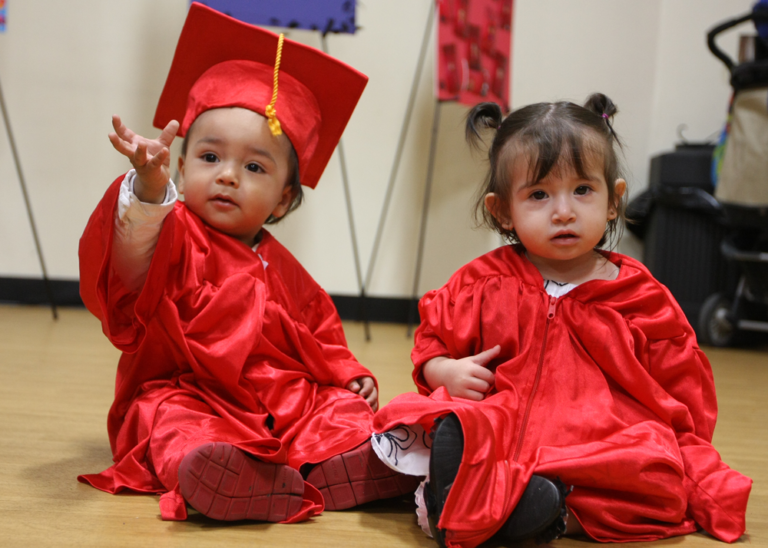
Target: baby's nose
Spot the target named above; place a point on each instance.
(563, 208)
(227, 175)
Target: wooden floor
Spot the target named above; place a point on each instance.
(56, 381)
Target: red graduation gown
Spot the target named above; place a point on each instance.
(604, 387)
(221, 344)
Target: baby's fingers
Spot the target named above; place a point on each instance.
(354, 386)
(121, 146)
(478, 384)
(157, 161)
(487, 355)
(140, 156)
(473, 395)
(367, 387)
(169, 133)
(372, 398)
(121, 129)
(483, 374)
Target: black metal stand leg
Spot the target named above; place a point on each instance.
(355, 249)
(424, 211)
(352, 231)
(46, 281)
(400, 144)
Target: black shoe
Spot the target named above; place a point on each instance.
(540, 513)
(444, 462)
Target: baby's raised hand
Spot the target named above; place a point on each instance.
(365, 387)
(151, 158)
(463, 378)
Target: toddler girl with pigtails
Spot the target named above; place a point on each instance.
(561, 386)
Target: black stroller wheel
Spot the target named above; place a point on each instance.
(716, 327)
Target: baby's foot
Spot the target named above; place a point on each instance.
(225, 483)
(540, 513)
(356, 477)
(444, 462)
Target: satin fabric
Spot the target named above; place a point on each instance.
(221, 344)
(604, 387)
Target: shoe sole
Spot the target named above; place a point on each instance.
(357, 477)
(224, 483)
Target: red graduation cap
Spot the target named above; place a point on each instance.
(223, 62)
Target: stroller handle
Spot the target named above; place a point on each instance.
(758, 14)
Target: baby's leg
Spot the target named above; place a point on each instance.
(628, 487)
(538, 513)
(573, 528)
(358, 476)
(333, 441)
(192, 454)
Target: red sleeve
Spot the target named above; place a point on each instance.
(322, 319)
(102, 291)
(462, 319)
(434, 309)
(94, 243)
(302, 297)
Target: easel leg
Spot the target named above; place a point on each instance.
(352, 230)
(400, 144)
(424, 211)
(46, 281)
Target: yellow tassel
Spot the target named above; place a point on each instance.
(274, 123)
(269, 110)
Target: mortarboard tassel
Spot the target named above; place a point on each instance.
(274, 123)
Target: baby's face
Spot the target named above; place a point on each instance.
(235, 172)
(563, 216)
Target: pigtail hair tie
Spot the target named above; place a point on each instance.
(482, 116)
(601, 105)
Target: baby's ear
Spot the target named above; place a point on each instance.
(180, 182)
(285, 202)
(496, 206)
(619, 188)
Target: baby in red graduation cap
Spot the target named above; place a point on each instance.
(235, 392)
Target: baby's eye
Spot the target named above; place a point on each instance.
(210, 157)
(539, 195)
(582, 190)
(256, 168)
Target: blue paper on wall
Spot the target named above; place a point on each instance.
(323, 15)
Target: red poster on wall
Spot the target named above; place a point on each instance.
(474, 43)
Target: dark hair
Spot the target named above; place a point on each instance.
(294, 179)
(553, 136)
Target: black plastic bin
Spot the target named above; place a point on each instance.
(680, 223)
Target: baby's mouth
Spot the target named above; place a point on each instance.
(224, 199)
(565, 237)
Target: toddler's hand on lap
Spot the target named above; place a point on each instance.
(365, 387)
(463, 378)
(151, 158)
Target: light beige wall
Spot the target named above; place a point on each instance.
(692, 84)
(66, 67)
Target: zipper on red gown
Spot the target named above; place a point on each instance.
(550, 316)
